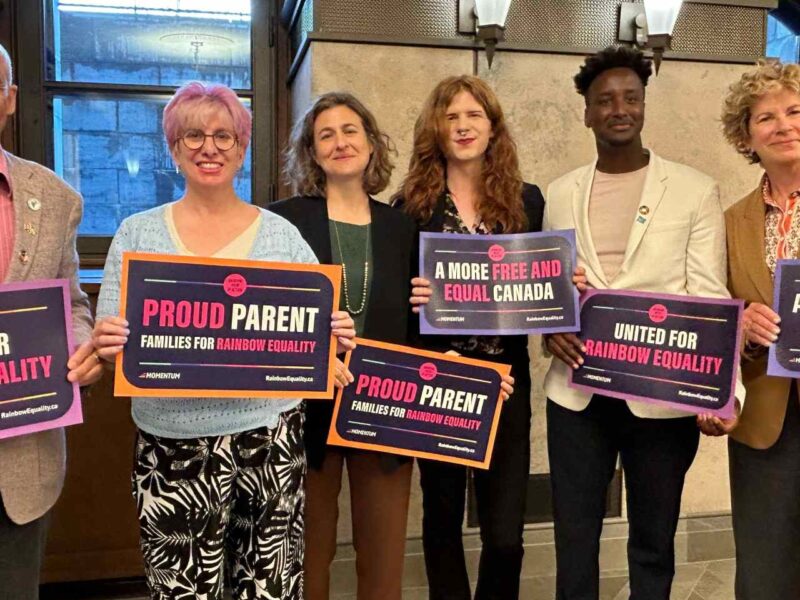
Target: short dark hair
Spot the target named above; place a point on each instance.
(613, 57)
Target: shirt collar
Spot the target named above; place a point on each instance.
(766, 193)
(5, 176)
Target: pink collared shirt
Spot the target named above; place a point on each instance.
(6, 217)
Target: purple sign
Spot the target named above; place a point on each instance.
(35, 345)
(678, 351)
(784, 355)
(499, 284)
(419, 403)
(226, 328)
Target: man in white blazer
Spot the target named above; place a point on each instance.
(642, 223)
(39, 216)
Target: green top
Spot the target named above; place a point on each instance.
(356, 247)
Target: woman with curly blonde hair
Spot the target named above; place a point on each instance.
(464, 178)
(761, 119)
(336, 159)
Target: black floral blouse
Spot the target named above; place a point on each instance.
(485, 344)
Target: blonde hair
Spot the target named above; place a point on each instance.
(769, 75)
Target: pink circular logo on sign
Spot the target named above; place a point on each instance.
(657, 313)
(496, 252)
(234, 285)
(428, 371)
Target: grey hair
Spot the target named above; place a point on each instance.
(4, 57)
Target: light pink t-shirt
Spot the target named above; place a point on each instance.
(613, 204)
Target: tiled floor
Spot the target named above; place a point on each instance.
(693, 581)
(703, 547)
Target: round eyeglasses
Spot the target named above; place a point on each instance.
(194, 139)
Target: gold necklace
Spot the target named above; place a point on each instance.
(344, 273)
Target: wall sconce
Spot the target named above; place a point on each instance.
(649, 25)
(490, 18)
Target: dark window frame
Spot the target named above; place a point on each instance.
(34, 111)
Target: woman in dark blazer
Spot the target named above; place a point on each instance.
(338, 158)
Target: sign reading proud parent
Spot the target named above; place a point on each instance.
(784, 355)
(677, 351)
(226, 328)
(499, 284)
(35, 344)
(419, 403)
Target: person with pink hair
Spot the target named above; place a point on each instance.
(218, 482)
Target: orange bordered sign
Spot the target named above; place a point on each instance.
(207, 327)
(418, 403)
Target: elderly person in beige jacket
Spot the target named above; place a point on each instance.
(39, 216)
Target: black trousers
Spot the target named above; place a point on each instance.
(21, 553)
(500, 493)
(765, 495)
(656, 454)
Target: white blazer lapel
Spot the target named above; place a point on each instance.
(652, 194)
(583, 231)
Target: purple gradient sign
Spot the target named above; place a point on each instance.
(207, 327)
(419, 403)
(35, 345)
(499, 284)
(784, 355)
(678, 351)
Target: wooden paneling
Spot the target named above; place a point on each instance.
(94, 533)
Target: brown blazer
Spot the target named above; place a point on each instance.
(32, 466)
(749, 279)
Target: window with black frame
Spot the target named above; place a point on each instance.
(783, 41)
(108, 69)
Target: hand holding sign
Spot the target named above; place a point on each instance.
(566, 347)
(85, 366)
(715, 426)
(760, 324)
(344, 329)
(110, 336)
(421, 292)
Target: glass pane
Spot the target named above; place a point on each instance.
(782, 42)
(149, 42)
(112, 150)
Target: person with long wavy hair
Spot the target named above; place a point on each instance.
(464, 177)
(484, 163)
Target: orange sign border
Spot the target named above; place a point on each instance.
(335, 439)
(123, 387)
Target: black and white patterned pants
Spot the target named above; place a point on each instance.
(223, 507)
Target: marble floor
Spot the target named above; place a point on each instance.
(712, 580)
(703, 551)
